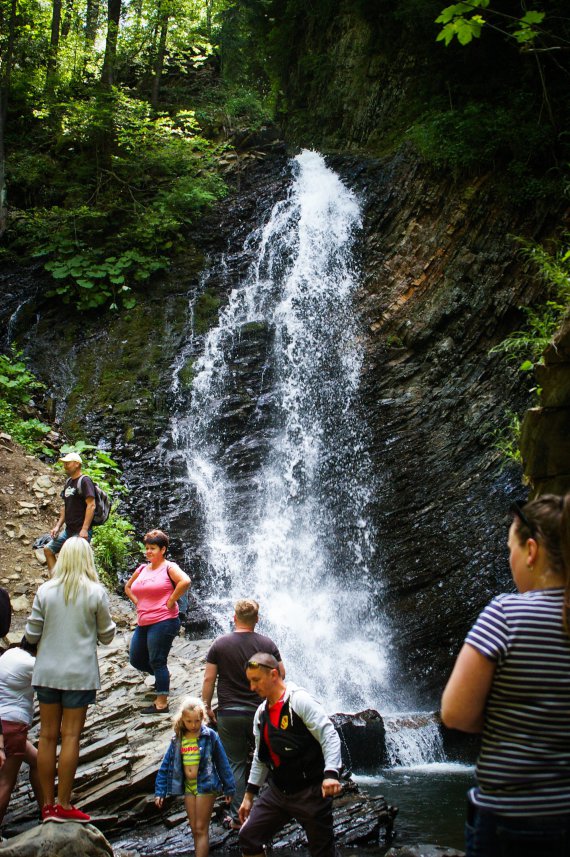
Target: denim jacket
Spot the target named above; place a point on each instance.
(214, 772)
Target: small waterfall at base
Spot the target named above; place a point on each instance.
(283, 508)
(413, 739)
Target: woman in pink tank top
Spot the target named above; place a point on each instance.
(154, 589)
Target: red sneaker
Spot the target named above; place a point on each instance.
(71, 814)
(48, 813)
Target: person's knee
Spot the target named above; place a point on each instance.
(49, 732)
(249, 840)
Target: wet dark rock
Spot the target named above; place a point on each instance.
(363, 740)
(121, 750)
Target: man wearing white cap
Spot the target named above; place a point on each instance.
(77, 510)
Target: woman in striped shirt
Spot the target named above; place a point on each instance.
(511, 681)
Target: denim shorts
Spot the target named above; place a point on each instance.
(65, 698)
(56, 544)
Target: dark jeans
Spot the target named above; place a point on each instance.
(236, 734)
(491, 835)
(273, 809)
(150, 646)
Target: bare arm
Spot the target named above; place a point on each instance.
(89, 512)
(465, 696)
(130, 582)
(210, 676)
(54, 532)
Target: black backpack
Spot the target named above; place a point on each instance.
(102, 504)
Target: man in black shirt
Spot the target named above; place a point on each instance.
(237, 703)
(77, 510)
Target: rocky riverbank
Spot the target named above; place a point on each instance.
(122, 749)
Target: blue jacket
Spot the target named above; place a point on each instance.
(214, 772)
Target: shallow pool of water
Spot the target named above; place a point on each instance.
(431, 799)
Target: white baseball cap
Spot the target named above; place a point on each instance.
(72, 456)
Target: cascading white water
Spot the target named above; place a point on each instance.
(413, 739)
(302, 544)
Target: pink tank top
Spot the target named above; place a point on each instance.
(153, 589)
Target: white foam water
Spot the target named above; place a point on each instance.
(303, 546)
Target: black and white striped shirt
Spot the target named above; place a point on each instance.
(524, 764)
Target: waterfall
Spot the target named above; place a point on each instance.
(413, 739)
(284, 508)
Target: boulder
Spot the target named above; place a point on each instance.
(58, 840)
(362, 740)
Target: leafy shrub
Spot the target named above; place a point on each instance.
(129, 185)
(113, 542)
(542, 322)
(114, 546)
(476, 136)
(17, 385)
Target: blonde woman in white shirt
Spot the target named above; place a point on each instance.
(70, 615)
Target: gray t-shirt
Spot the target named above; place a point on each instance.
(230, 654)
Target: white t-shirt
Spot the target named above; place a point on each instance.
(16, 691)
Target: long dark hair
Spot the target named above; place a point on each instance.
(547, 520)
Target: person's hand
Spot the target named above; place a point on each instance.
(245, 807)
(330, 787)
(54, 531)
(83, 533)
(158, 801)
(211, 714)
(170, 603)
(2, 756)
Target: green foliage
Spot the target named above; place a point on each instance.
(17, 386)
(465, 22)
(480, 136)
(99, 465)
(134, 183)
(528, 344)
(506, 440)
(114, 541)
(17, 383)
(114, 545)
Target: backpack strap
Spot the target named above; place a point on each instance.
(78, 486)
(168, 573)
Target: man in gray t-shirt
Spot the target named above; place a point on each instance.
(237, 704)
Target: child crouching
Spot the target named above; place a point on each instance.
(196, 766)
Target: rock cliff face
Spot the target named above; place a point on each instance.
(441, 283)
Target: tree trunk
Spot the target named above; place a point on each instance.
(113, 20)
(209, 18)
(159, 64)
(3, 188)
(91, 18)
(5, 72)
(67, 18)
(53, 47)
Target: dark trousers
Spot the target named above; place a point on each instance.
(490, 835)
(236, 734)
(273, 809)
